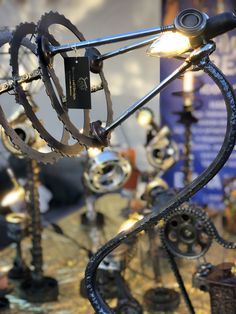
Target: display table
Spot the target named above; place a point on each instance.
(65, 261)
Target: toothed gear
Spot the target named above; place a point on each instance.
(61, 148)
(185, 232)
(54, 18)
(18, 143)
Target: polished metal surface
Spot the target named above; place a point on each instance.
(162, 152)
(173, 204)
(24, 129)
(110, 39)
(125, 49)
(107, 172)
(133, 108)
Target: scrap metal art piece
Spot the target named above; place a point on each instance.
(37, 287)
(198, 28)
(25, 33)
(61, 147)
(43, 31)
(220, 282)
(162, 152)
(107, 172)
(95, 134)
(187, 119)
(17, 132)
(161, 299)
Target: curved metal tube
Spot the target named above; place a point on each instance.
(97, 302)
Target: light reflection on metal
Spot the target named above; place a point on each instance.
(133, 218)
(107, 172)
(145, 117)
(15, 195)
(23, 127)
(162, 152)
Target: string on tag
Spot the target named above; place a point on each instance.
(77, 54)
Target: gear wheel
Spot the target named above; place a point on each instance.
(185, 233)
(5, 38)
(61, 147)
(54, 18)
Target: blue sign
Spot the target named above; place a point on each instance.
(209, 107)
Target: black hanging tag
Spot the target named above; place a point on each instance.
(77, 77)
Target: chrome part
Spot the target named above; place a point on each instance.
(107, 172)
(162, 152)
(107, 40)
(157, 185)
(24, 129)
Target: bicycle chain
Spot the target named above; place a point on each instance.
(202, 216)
(210, 229)
(203, 219)
(84, 138)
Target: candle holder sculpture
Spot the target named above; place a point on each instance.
(158, 298)
(193, 31)
(35, 287)
(162, 154)
(187, 119)
(104, 172)
(193, 23)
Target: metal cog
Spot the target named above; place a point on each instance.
(59, 146)
(46, 21)
(185, 232)
(5, 37)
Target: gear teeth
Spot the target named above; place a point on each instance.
(22, 31)
(203, 216)
(84, 141)
(15, 140)
(43, 25)
(199, 215)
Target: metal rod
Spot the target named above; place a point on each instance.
(154, 252)
(125, 49)
(110, 39)
(147, 97)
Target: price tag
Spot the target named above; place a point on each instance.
(77, 76)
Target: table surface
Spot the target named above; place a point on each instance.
(66, 262)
